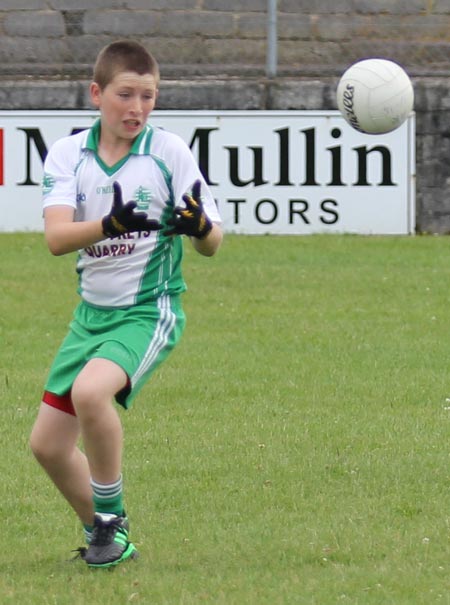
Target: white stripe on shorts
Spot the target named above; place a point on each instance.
(164, 327)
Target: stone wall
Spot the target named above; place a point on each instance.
(213, 56)
(61, 37)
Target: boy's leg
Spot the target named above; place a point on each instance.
(93, 399)
(54, 443)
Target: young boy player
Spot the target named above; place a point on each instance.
(121, 194)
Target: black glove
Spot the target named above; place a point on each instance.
(122, 218)
(191, 220)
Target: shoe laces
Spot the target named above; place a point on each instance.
(80, 553)
(104, 533)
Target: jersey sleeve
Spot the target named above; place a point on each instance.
(59, 181)
(185, 171)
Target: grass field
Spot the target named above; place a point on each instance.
(293, 450)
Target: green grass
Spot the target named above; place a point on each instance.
(294, 449)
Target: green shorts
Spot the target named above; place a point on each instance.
(137, 339)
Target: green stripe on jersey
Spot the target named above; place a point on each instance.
(165, 261)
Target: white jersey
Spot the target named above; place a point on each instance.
(159, 170)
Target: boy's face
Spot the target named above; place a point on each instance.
(125, 103)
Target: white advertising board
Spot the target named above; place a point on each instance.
(281, 172)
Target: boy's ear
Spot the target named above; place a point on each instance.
(95, 92)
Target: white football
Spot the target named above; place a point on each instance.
(375, 96)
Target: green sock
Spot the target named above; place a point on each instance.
(108, 498)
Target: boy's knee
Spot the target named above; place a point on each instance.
(84, 398)
(42, 449)
(47, 451)
(50, 456)
(88, 400)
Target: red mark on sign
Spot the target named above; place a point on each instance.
(1, 156)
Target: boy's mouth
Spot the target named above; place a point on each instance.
(132, 124)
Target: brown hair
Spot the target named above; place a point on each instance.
(123, 55)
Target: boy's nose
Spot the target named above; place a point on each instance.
(137, 106)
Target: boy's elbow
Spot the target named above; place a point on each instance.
(207, 252)
(55, 247)
(211, 245)
(216, 240)
(56, 251)
(211, 251)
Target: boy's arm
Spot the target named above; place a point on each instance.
(211, 243)
(63, 235)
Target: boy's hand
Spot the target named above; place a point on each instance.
(122, 218)
(191, 220)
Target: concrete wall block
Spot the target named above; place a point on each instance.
(166, 5)
(342, 27)
(411, 27)
(201, 23)
(433, 56)
(433, 212)
(73, 21)
(288, 26)
(85, 98)
(121, 23)
(298, 94)
(83, 50)
(238, 6)
(294, 27)
(441, 7)
(33, 51)
(253, 26)
(431, 149)
(298, 54)
(184, 53)
(405, 51)
(235, 51)
(313, 7)
(433, 172)
(67, 5)
(433, 122)
(198, 94)
(48, 24)
(430, 27)
(409, 7)
(369, 28)
(28, 5)
(39, 95)
(431, 94)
